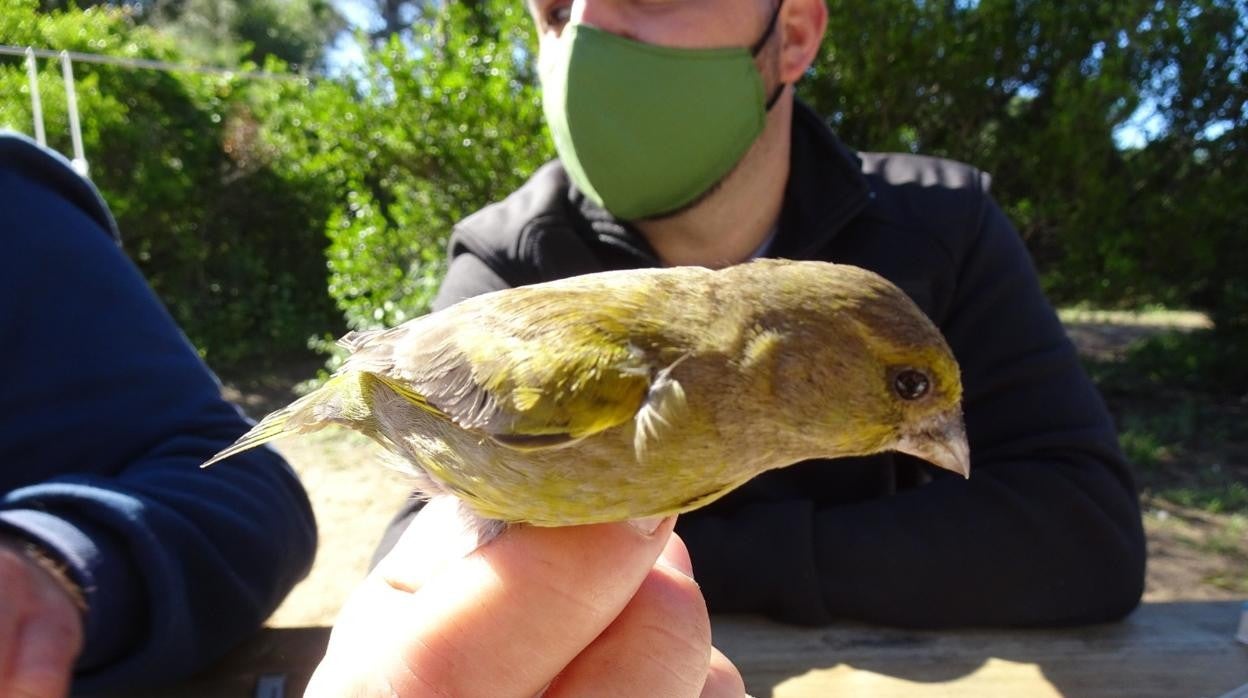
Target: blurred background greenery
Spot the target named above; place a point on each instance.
(268, 211)
(265, 211)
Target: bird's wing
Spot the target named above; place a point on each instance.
(531, 369)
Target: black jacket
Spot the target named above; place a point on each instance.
(1047, 529)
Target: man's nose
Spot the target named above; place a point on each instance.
(607, 15)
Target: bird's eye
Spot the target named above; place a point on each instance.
(910, 384)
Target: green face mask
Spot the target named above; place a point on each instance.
(644, 130)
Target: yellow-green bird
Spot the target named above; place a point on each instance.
(640, 393)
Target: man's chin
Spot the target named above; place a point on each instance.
(691, 205)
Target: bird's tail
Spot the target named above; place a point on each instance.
(343, 398)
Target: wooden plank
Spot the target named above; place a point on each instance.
(289, 653)
(1168, 650)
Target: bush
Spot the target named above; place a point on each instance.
(1115, 132)
(267, 211)
(449, 123)
(228, 232)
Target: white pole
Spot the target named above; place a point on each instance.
(36, 106)
(71, 103)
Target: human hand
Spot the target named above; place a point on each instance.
(40, 626)
(568, 611)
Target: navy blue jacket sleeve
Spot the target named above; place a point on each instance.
(108, 412)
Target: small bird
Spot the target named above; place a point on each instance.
(642, 393)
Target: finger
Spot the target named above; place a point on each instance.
(676, 556)
(723, 680)
(442, 531)
(40, 630)
(14, 580)
(502, 621)
(48, 644)
(660, 645)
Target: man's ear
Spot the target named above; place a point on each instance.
(802, 24)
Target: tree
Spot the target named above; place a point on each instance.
(452, 120)
(228, 229)
(228, 32)
(443, 117)
(395, 17)
(1039, 94)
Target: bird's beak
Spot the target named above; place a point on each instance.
(941, 441)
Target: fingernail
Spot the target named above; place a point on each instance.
(647, 526)
(678, 570)
(682, 566)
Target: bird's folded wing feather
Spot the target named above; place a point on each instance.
(530, 369)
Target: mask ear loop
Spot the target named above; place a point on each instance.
(758, 46)
(775, 97)
(771, 27)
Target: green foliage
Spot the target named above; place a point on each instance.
(228, 32)
(1142, 447)
(1035, 93)
(223, 31)
(1189, 454)
(227, 231)
(1184, 432)
(255, 207)
(1216, 495)
(265, 212)
(1230, 540)
(1202, 361)
(447, 124)
(395, 17)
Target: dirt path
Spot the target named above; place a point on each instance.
(354, 497)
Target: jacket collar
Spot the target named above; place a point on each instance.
(826, 189)
(610, 231)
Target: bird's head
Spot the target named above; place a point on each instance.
(919, 396)
(863, 369)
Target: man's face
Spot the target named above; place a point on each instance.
(675, 23)
(704, 154)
